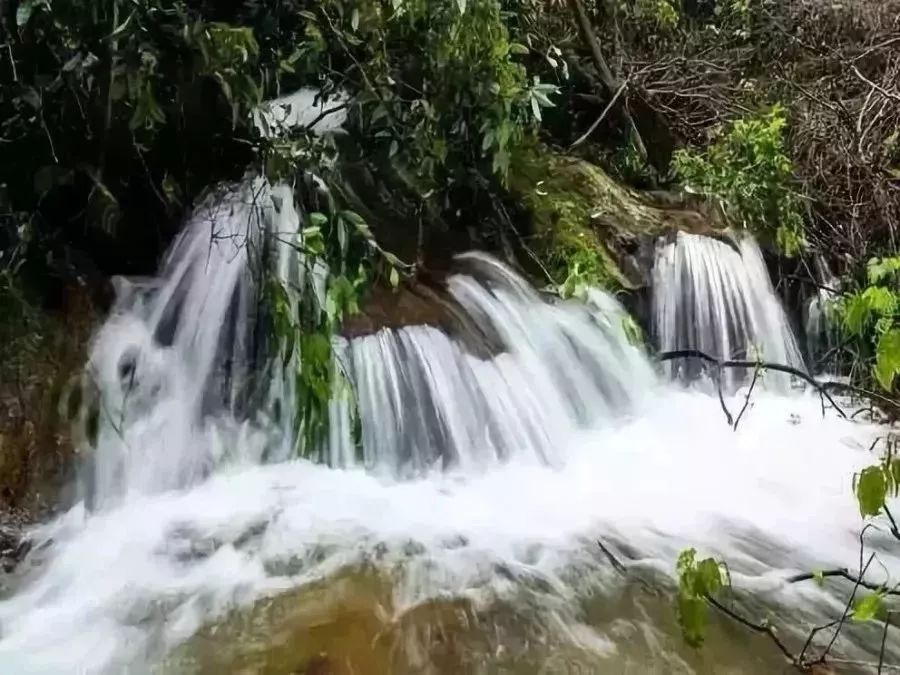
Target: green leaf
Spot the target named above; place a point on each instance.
(462, 6)
(353, 218)
(881, 269)
(536, 108)
(819, 577)
(317, 219)
(693, 617)
(516, 48)
(887, 359)
(856, 315)
(867, 608)
(871, 491)
(395, 277)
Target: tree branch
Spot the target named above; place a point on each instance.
(765, 365)
(609, 81)
(747, 398)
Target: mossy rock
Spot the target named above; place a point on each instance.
(581, 215)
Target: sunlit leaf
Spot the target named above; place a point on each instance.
(867, 608)
(871, 490)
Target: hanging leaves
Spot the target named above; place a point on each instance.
(697, 581)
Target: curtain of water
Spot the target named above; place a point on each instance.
(717, 297)
(425, 401)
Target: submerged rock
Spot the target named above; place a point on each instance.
(14, 544)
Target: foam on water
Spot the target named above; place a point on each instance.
(772, 498)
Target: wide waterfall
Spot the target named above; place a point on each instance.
(559, 367)
(716, 297)
(461, 536)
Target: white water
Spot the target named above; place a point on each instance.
(518, 462)
(719, 299)
(424, 400)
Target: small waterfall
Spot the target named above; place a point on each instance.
(180, 349)
(424, 400)
(821, 332)
(718, 298)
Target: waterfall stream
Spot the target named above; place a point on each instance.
(471, 513)
(717, 297)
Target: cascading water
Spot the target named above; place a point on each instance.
(821, 332)
(424, 399)
(717, 298)
(463, 539)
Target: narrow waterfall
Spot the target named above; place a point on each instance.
(154, 360)
(821, 332)
(716, 297)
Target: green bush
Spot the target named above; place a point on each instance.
(868, 319)
(748, 169)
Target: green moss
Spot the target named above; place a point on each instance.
(560, 194)
(584, 222)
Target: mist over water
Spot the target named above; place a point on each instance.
(481, 476)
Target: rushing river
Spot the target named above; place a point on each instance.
(463, 536)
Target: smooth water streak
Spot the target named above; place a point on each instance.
(716, 296)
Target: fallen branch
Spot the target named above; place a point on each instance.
(865, 393)
(842, 573)
(764, 365)
(762, 628)
(747, 398)
(600, 119)
(613, 560)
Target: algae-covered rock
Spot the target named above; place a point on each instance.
(581, 216)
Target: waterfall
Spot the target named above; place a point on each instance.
(716, 297)
(172, 365)
(485, 475)
(423, 399)
(821, 332)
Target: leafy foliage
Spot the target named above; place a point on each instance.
(748, 169)
(698, 580)
(868, 317)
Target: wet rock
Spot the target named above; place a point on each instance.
(14, 545)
